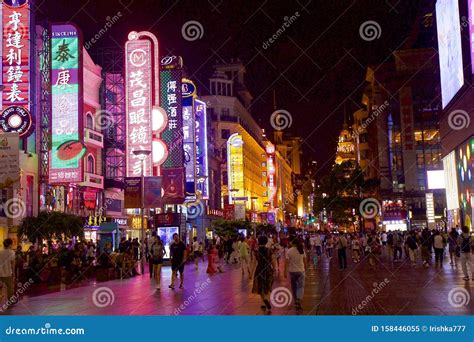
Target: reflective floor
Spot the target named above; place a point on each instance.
(390, 289)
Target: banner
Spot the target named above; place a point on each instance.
(9, 161)
(67, 148)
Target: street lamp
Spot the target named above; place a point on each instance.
(142, 154)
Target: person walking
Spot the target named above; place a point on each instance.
(466, 245)
(439, 243)
(355, 249)
(390, 248)
(397, 246)
(196, 252)
(296, 266)
(157, 251)
(7, 267)
(178, 257)
(318, 244)
(244, 255)
(263, 276)
(329, 246)
(412, 245)
(341, 246)
(453, 247)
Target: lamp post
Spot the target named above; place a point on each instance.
(142, 154)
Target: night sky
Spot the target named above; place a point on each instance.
(316, 67)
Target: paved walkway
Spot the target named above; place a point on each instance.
(392, 289)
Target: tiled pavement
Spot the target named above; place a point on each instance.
(328, 291)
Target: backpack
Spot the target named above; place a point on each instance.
(466, 245)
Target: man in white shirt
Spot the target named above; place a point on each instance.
(7, 267)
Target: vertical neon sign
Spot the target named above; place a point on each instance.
(138, 70)
(188, 93)
(235, 166)
(67, 148)
(15, 116)
(271, 171)
(201, 148)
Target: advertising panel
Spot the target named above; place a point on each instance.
(188, 92)
(15, 114)
(170, 78)
(465, 170)
(235, 166)
(449, 49)
(67, 146)
(451, 181)
(138, 70)
(133, 192)
(202, 176)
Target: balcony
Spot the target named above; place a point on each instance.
(93, 181)
(93, 138)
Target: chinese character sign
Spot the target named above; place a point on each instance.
(67, 147)
(201, 148)
(138, 70)
(188, 91)
(271, 172)
(170, 80)
(16, 63)
(235, 166)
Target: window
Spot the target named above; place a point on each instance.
(225, 111)
(90, 166)
(225, 133)
(89, 120)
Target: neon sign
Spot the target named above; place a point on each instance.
(67, 146)
(235, 166)
(188, 92)
(138, 72)
(201, 148)
(271, 171)
(15, 50)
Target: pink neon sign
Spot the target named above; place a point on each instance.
(138, 70)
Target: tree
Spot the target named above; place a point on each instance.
(49, 225)
(341, 190)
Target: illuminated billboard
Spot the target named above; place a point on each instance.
(170, 79)
(465, 170)
(235, 166)
(15, 112)
(271, 172)
(449, 49)
(138, 71)
(67, 146)
(188, 93)
(471, 31)
(201, 149)
(451, 181)
(435, 179)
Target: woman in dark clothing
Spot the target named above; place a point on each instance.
(263, 277)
